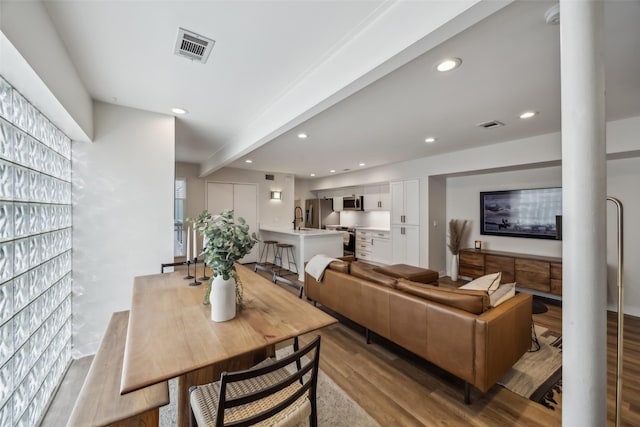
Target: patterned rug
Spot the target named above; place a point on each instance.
(538, 374)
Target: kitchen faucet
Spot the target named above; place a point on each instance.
(296, 217)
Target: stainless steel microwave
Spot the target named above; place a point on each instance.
(352, 203)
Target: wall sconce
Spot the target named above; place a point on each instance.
(276, 195)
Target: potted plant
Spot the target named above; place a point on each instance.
(456, 235)
(226, 240)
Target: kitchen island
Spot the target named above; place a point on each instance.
(307, 242)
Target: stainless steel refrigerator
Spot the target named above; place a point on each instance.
(319, 212)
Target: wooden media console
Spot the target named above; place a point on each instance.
(540, 273)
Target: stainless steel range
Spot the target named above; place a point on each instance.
(350, 247)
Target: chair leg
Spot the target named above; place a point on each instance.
(367, 335)
(467, 393)
(192, 417)
(313, 418)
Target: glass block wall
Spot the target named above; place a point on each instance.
(35, 258)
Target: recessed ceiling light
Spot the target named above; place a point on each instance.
(362, 164)
(303, 135)
(313, 174)
(430, 140)
(528, 114)
(248, 161)
(332, 171)
(448, 64)
(179, 111)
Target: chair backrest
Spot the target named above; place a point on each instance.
(292, 385)
(171, 264)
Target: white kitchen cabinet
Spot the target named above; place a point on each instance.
(373, 246)
(337, 203)
(377, 198)
(405, 245)
(405, 202)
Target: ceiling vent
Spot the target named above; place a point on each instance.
(193, 46)
(269, 177)
(490, 125)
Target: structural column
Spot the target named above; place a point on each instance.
(584, 213)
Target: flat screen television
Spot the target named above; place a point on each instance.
(522, 213)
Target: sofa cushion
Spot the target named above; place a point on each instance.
(365, 271)
(409, 272)
(472, 301)
(341, 266)
(489, 283)
(503, 293)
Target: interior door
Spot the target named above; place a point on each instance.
(245, 204)
(243, 199)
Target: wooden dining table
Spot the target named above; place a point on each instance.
(170, 334)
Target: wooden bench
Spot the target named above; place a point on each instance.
(100, 403)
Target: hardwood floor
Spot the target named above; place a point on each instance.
(399, 389)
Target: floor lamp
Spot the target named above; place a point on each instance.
(619, 360)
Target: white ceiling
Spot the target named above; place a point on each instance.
(123, 53)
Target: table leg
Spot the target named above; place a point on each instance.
(211, 374)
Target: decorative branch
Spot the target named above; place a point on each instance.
(457, 228)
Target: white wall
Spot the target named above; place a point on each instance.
(271, 213)
(27, 26)
(437, 223)
(123, 189)
(303, 190)
(623, 179)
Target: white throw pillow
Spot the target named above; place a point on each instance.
(502, 294)
(488, 283)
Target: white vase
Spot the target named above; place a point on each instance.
(223, 299)
(454, 268)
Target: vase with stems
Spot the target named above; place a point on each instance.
(457, 229)
(227, 241)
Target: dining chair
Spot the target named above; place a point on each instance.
(272, 393)
(171, 264)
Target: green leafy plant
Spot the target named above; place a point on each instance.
(226, 241)
(457, 228)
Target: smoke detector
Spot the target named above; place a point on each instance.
(490, 125)
(552, 15)
(193, 46)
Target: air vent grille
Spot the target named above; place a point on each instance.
(490, 125)
(269, 177)
(193, 46)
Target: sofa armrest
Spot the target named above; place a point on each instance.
(503, 335)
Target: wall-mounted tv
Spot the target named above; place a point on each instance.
(521, 213)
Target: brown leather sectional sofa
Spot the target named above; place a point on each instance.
(455, 330)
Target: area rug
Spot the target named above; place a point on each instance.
(538, 374)
(335, 407)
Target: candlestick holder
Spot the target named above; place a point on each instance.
(195, 269)
(188, 276)
(204, 272)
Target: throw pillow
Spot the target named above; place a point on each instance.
(489, 283)
(502, 294)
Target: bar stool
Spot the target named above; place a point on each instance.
(264, 256)
(284, 249)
